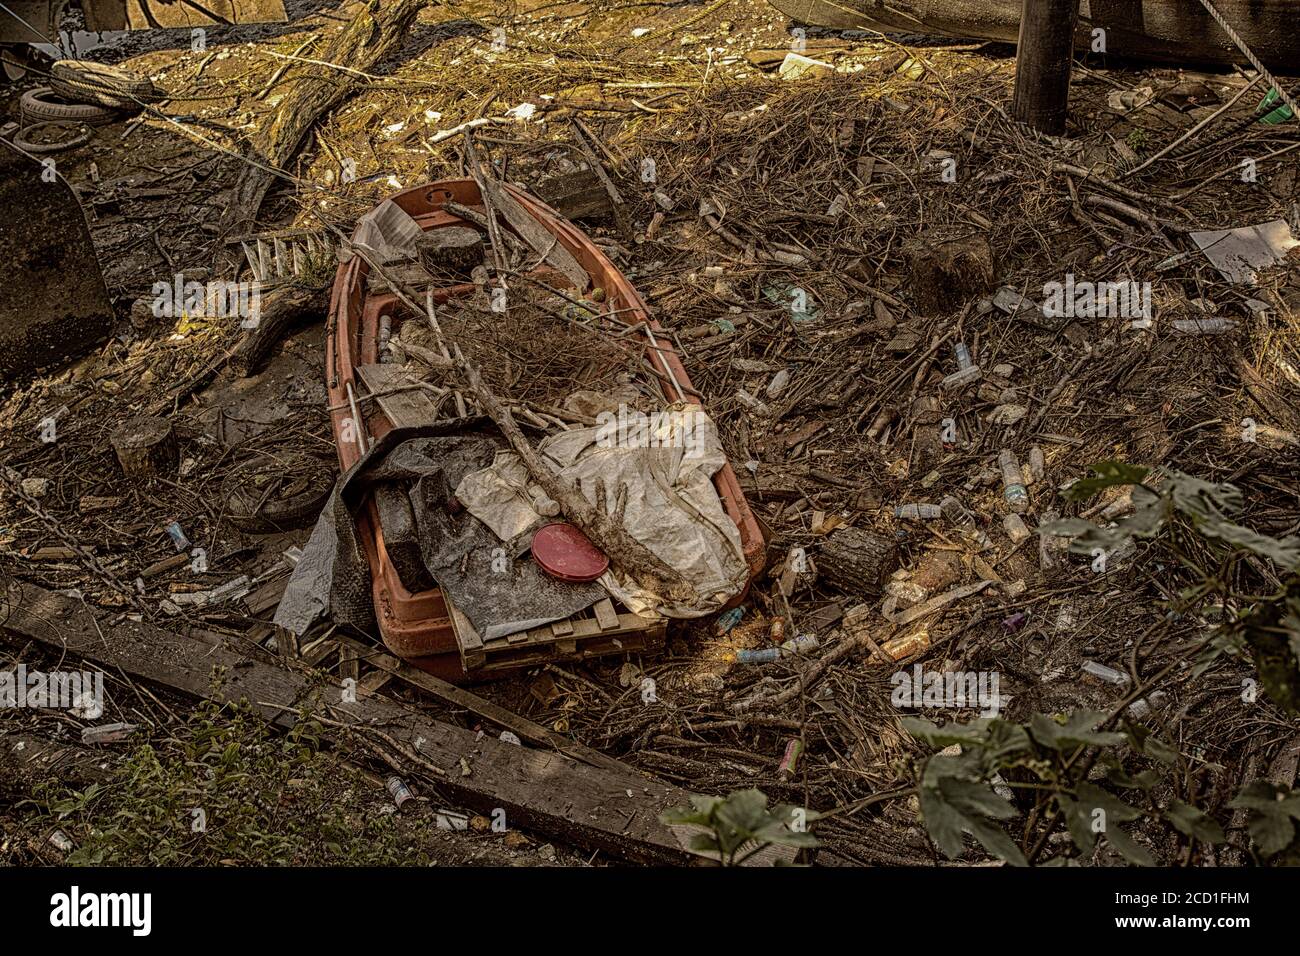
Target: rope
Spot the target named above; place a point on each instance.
(1249, 55)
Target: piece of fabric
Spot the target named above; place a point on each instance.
(497, 590)
(664, 463)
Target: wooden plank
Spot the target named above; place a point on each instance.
(550, 793)
(535, 234)
(374, 682)
(606, 616)
(267, 597)
(526, 729)
(319, 651)
(410, 406)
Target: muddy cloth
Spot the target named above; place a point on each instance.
(498, 592)
(661, 466)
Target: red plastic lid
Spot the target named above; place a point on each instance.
(564, 552)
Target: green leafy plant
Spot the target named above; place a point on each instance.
(1051, 759)
(739, 825)
(264, 799)
(1192, 519)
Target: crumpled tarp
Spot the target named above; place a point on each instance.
(499, 593)
(666, 462)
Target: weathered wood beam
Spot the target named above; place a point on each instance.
(1044, 57)
(540, 790)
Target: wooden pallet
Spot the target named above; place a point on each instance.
(595, 632)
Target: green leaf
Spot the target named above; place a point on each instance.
(1194, 822)
(1273, 812)
(1117, 811)
(1141, 781)
(746, 810)
(958, 806)
(1076, 731)
(1107, 474)
(1124, 845)
(942, 821)
(1078, 821)
(1157, 749)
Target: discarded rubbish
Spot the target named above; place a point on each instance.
(451, 820)
(959, 517)
(1016, 529)
(107, 733)
(790, 759)
(454, 616)
(778, 383)
(1204, 326)
(919, 511)
(1037, 463)
(1013, 489)
(174, 532)
(802, 644)
(400, 792)
(564, 552)
(1238, 253)
(1145, 705)
(966, 373)
(1104, 673)
(753, 404)
(229, 591)
(729, 619)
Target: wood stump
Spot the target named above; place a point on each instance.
(145, 447)
(857, 562)
(948, 274)
(453, 249)
(576, 195)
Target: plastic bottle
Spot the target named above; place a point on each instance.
(1013, 488)
(177, 535)
(107, 733)
(957, 514)
(729, 620)
(399, 790)
(967, 371)
(1204, 326)
(919, 511)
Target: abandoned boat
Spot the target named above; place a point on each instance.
(417, 619)
(1175, 30)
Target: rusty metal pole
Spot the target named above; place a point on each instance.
(1044, 56)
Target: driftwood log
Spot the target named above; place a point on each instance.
(453, 249)
(145, 447)
(857, 562)
(281, 309)
(312, 90)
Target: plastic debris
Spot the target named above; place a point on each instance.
(1104, 673)
(1013, 488)
(107, 733)
(1015, 528)
(919, 511)
(728, 620)
(177, 535)
(399, 790)
(790, 759)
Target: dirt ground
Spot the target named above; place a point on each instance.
(832, 190)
